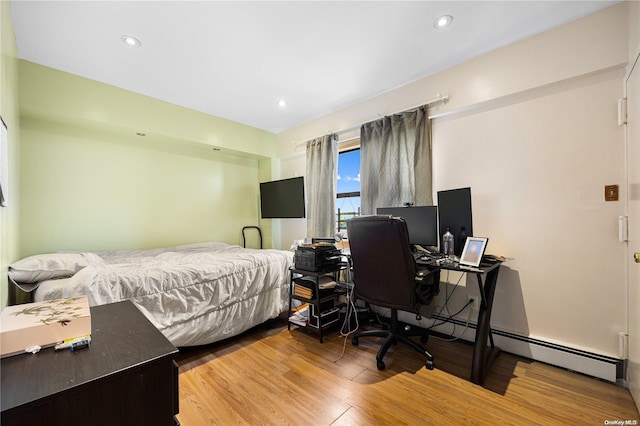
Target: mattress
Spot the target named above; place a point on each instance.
(194, 294)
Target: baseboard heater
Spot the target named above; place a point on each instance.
(589, 363)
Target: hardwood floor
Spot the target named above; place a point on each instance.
(272, 376)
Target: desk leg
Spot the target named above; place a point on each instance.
(290, 299)
(482, 360)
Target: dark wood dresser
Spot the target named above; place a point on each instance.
(126, 377)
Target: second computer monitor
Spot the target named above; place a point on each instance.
(454, 207)
(422, 223)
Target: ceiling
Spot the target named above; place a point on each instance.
(237, 59)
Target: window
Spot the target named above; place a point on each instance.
(348, 186)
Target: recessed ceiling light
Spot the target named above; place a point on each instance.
(442, 22)
(282, 103)
(131, 41)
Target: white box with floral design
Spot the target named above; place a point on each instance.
(43, 324)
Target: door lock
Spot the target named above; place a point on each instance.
(636, 257)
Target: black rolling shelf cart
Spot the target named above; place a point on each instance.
(324, 310)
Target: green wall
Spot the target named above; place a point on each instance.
(89, 182)
(9, 216)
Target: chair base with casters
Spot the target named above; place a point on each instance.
(393, 335)
(385, 274)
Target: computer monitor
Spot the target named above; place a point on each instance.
(422, 223)
(454, 209)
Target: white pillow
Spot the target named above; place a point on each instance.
(42, 267)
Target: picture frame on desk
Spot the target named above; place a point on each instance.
(474, 248)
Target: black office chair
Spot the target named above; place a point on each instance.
(385, 275)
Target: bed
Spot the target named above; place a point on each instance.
(194, 294)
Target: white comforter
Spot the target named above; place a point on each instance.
(194, 294)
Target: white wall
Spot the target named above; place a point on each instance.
(532, 129)
(537, 168)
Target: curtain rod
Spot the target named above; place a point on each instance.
(439, 101)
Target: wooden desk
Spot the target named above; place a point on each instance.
(126, 377)
(484, 350)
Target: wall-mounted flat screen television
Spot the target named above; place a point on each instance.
(282, 199)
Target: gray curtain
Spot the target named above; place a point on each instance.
(320, 186)
(395, 161)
